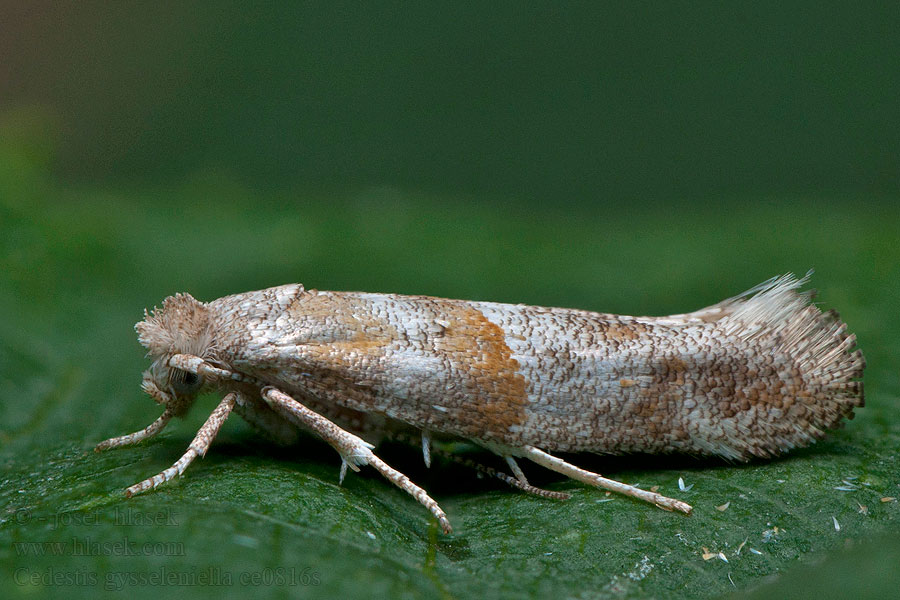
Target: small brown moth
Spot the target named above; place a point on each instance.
(752, 376)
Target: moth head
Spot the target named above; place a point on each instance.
(181, 326)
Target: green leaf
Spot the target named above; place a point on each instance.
(77, 270)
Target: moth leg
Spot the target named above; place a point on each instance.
(426, 447)
(133, 438)
(512, 481)
(354, 451)
(570, 470)
(517, 471)
(254, 411)
(198, 447)
(483, 469)
(343, 472)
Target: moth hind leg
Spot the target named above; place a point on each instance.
(516, 469)
(560, 466)
(524, 486)
(512, 481)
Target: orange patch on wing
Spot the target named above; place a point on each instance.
(619, 331)
(675, 364)
(490, 394)
(477, 348)
(343, 322)
(345, 343)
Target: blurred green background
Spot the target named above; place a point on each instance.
(638, 158)
(586, 104)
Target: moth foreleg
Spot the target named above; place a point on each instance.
(198, 447)
(570, 470)
(354, 451)
(133, 438)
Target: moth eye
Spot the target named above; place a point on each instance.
(184, 382)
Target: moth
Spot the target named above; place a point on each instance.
(752, 376)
